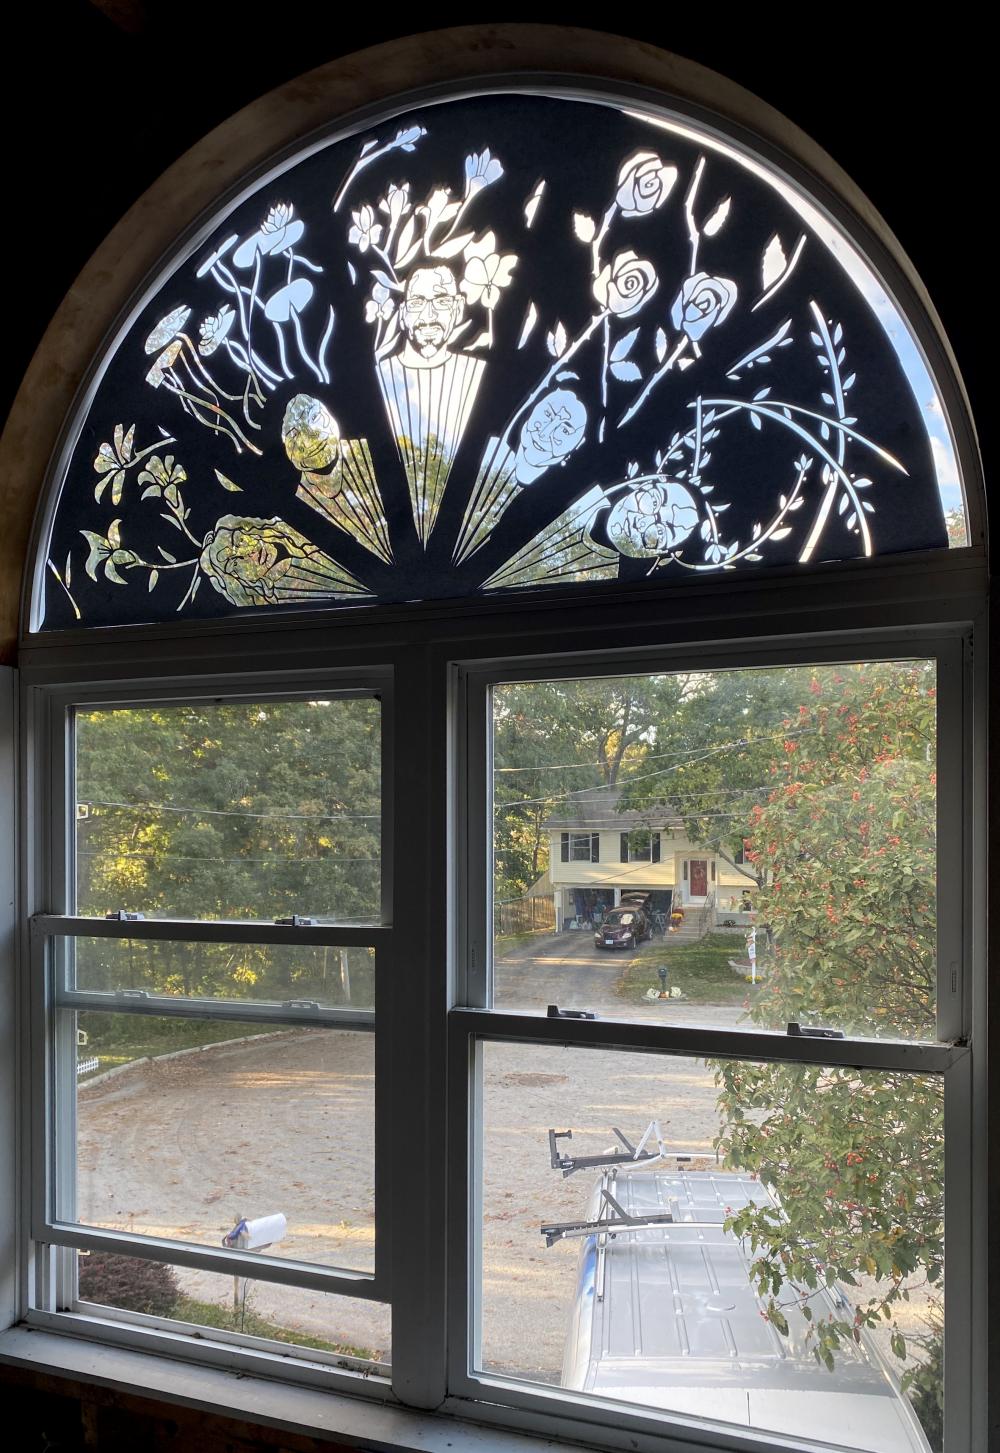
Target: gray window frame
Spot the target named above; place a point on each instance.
(436, 1015)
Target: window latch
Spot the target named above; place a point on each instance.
(819, 1032)
(121, 915)
(554, 1012)
(132, 994)
(296, 921)
(300, 1004)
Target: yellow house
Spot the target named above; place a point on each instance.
(597, 852)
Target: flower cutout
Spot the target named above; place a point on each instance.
(278, 232)
(655, 516)
(622, 286)
(702, 303)
(644, 183)
(380, 304)
(396, 202)
(167, 329)
(486, 271)
(481, 170)
(366, 232)
(215, 329)
(438, 209)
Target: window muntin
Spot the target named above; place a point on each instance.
(503, 438)
(249, 809)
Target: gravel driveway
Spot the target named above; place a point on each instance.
(181, 1147)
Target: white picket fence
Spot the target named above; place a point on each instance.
(85, 1066)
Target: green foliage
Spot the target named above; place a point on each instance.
(844, 845)
(553, 739)
(234, 811)
(128, 1282)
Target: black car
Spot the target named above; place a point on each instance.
(623, 927)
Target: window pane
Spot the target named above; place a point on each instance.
(310, 1321)
(257, 810)
(186, 1127)
(806, 1206)
(275, 973)
(794, 876)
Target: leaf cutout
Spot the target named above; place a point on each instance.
(154, 576)
(530, 319)
(626, 372)
(119, 439)
(454, 245)
(167, 555)
(115, 534)
(227, 483)
(623, 347)
(584, 226)
(405, 237)
(717, 218)
(774, 262)
(661, 345)
(558, 336)
(351, 273)
(117, 485)
(780, 534)
(127, 443)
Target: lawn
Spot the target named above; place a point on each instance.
(210, 1314)
(700, 970)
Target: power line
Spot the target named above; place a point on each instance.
(222, 812)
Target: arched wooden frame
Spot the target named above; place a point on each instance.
(357, 89)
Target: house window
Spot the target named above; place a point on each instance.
(640, 845)
(581, 847)
(275, 1050)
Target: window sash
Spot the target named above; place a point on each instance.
(954, 748)
(623, 1425)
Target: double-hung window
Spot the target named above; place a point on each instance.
(210, 982)
(443, 515)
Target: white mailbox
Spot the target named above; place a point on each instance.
(256, 1234)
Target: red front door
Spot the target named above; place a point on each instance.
(699, 877)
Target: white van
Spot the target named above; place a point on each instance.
(668, 1317)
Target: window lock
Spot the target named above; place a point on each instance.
(296, 921)
(121, 915)
(818, 1033)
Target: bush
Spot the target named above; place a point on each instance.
(128, 1282)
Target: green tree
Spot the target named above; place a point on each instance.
(552, 739)
(239, 811)
(845, 848)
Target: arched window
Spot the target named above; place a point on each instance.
(498, 664)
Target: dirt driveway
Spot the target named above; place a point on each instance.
(182, 1146)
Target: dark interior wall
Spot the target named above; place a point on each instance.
(95, 109)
